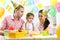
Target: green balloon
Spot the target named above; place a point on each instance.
(52, 11)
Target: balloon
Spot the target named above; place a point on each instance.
(52, 11)
(36, 1)
(40, 5)
(5, 5)
(58, 7)
(58, 31)
(2, 1)
(1, 11)
(23, 3)
(34, 10)
(8, 8)
(30, 2)
(53, 2)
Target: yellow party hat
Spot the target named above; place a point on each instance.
(45, 12)
(15, 5)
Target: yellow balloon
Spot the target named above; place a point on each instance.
(1, 11)
(40, 5)
(58, 31)
(8, 8)
(53, 2)
(22, 2)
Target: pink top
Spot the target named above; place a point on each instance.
(10, 21)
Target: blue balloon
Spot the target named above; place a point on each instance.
(34, 10)
(30, 2)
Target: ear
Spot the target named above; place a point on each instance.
(26, 17)
(15, 10)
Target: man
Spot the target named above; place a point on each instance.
(14, 21)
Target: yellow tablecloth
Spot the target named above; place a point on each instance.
(53, 37)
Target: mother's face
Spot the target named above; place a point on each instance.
(41, 17)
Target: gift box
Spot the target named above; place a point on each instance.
(15, 33)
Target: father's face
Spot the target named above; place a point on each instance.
(20, 12)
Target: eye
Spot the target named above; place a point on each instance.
(40, 16)
(21, 11)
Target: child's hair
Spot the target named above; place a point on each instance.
(29, 14)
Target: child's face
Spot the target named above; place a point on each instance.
(30, 18)
(41, 17)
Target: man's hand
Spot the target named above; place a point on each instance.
(1, 32)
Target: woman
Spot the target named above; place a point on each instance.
(43, 23)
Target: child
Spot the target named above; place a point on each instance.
(43, 23)
(29, 26)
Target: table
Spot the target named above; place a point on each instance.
(36, 38)
(1, 37)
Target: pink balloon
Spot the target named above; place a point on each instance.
(58, 7)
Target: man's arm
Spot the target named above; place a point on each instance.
(4, 22)
(1, 32)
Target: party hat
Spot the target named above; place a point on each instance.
(45, 12)
(15, 5)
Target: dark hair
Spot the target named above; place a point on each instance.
(40, 11)
(19, 6)
(44, 12)
(29, 14)
(46, 23)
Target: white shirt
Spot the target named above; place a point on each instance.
(28, 26)
(38, 27)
